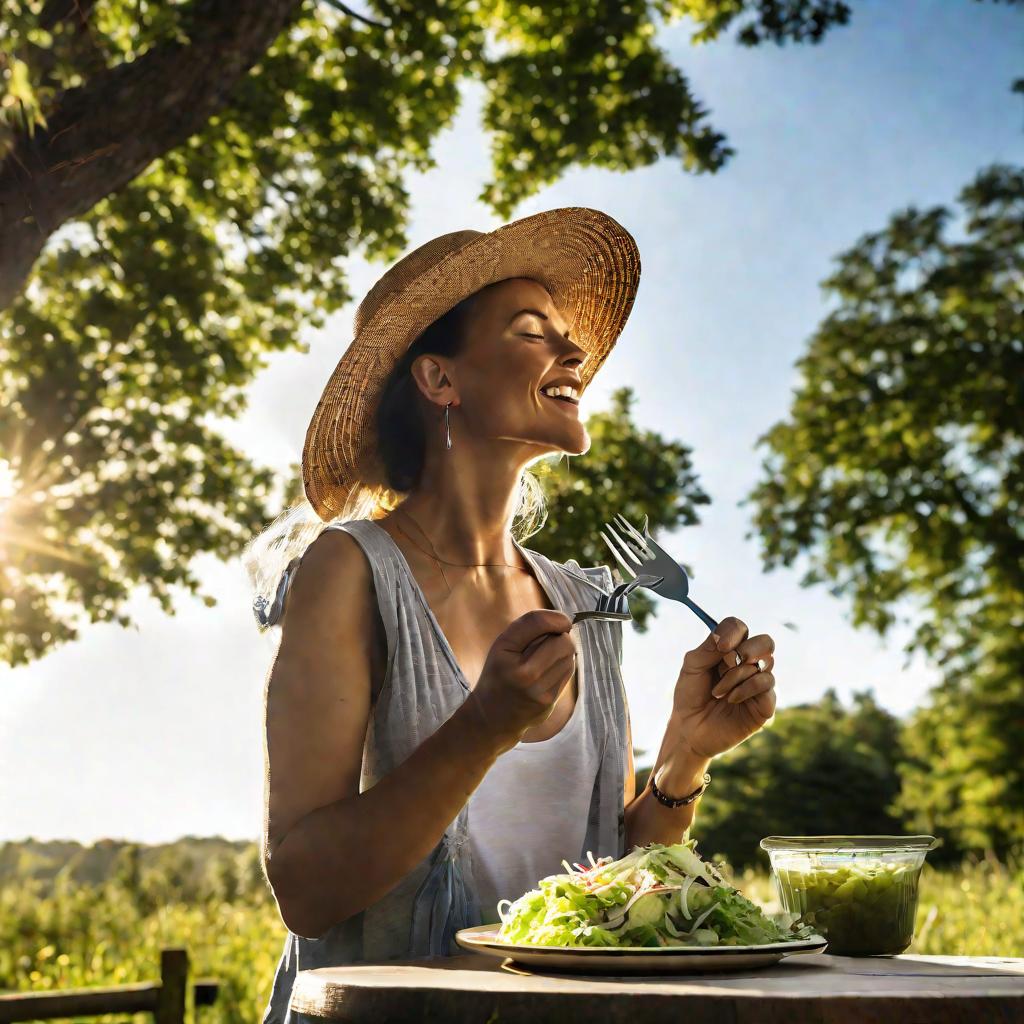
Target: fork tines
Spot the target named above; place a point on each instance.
(630, 551)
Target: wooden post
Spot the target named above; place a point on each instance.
(170, 1006)
(204, 991)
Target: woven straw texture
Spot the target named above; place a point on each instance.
(588, 263)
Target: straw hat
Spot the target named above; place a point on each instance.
(588, 263)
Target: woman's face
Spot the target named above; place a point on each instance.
(517, 376)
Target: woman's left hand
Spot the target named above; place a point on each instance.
(726, 689)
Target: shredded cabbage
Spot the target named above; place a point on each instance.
(654, 896)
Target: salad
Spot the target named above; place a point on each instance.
(654, 896)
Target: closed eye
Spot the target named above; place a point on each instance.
(538, 336)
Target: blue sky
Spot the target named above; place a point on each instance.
(156, 732)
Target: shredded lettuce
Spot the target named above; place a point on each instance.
(654, 896)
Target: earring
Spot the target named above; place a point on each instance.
(447, 427)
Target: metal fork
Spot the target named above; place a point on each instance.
(639, 553)
(613, 606)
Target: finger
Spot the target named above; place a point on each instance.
(727, 667)
(764, 703)
(732, 633)
(521, 632)
(554, 679)
(755, 647)
(543, 640)
(702, 658)
(741, 657)
(762, 682)
(733, 678)
(546, 652)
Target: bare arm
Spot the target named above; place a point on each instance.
(725, 693)
(680, 772)
(331, 851)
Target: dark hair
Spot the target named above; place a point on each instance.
(401, 438)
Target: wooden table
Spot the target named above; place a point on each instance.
(818, 988)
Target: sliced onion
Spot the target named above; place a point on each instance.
(683, 905)
(616, 921)
(671, 928)
(700, 920)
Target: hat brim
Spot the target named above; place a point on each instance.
(587, 261)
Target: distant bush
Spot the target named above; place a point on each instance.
(818, 769)
(188, 869)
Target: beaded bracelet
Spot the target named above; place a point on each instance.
(682, 801)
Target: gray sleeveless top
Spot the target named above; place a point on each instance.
(423, 687)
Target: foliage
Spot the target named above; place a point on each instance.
(964, 777)
(189, 869)
(86, 935)
(628, 470)
(900, 472)
(765, 20)
(785, 779)
(171, 282)
(899, 476)
(973, 911)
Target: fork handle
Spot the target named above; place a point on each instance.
(701, 614)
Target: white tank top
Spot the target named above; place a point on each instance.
(530, 812)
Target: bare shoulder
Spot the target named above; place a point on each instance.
(333, 580)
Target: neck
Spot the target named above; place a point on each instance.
(466, 501)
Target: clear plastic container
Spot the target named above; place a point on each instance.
(859, 892)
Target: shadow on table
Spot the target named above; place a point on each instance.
(808, 966)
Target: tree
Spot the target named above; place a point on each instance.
(899, 477)
(252, 880)
(184, 182)
(964, 776)
(93, 91)
(627, 470)
(127, 870)
(222, 881)
(785, 780)
(291, 105)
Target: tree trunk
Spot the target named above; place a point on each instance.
(106, 132)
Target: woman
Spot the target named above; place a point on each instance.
(439, 735)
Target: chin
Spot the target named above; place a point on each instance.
(571, 439)
(574, 442)
(584, 444)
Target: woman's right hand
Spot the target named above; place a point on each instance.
(526, 669)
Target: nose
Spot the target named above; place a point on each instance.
(572, 354)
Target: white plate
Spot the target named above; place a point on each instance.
(633, 959)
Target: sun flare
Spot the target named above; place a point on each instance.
(8, 484)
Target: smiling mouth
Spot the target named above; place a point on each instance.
(567, 395)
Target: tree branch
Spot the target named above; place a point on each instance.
(339, 6)
(104, 133)
(56, 11)
(74, 43)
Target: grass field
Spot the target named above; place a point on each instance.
(100, 935)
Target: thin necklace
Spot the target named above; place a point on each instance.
(432, 553)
